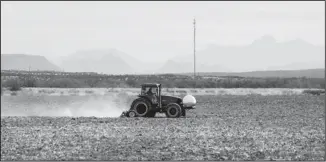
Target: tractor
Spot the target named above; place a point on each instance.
(151, 101)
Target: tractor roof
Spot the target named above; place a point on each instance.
(151, 84)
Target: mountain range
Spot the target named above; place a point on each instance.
(262, 54)
(26, 62)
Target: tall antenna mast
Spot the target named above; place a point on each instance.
(194, 48)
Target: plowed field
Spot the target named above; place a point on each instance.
(221, 128)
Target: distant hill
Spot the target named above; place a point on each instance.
(96, 61)
(309, 73)
(262, 54)
(26, 62)
(107, 61)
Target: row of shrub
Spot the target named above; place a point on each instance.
(66, 82)
(314, 91)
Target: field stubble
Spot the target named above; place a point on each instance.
(221, 128)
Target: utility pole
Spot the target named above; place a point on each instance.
(194, 48)
(29, 72)
(29, 76)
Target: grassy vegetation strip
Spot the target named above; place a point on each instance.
(16, 79)
(167, 91)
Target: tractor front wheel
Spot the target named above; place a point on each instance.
(173, 110)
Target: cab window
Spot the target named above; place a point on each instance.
(145, 90)
(154, 90)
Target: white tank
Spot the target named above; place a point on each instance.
(189, 101)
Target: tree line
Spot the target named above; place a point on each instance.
(93, 80)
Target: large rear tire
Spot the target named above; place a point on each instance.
(173, 110)
(141, 107)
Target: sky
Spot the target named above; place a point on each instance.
(153, 30)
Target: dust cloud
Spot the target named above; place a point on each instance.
(70, 106)
(96, 107)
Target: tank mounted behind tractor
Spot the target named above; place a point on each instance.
(151, 101)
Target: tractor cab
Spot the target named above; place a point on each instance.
(152, 91)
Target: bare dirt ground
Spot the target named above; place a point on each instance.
(221, 128)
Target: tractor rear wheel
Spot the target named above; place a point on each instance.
(141, 107)
(173, 110)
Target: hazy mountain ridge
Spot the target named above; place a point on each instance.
(270, 55)
(96, 61)
(26, 62)
(127, 62)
